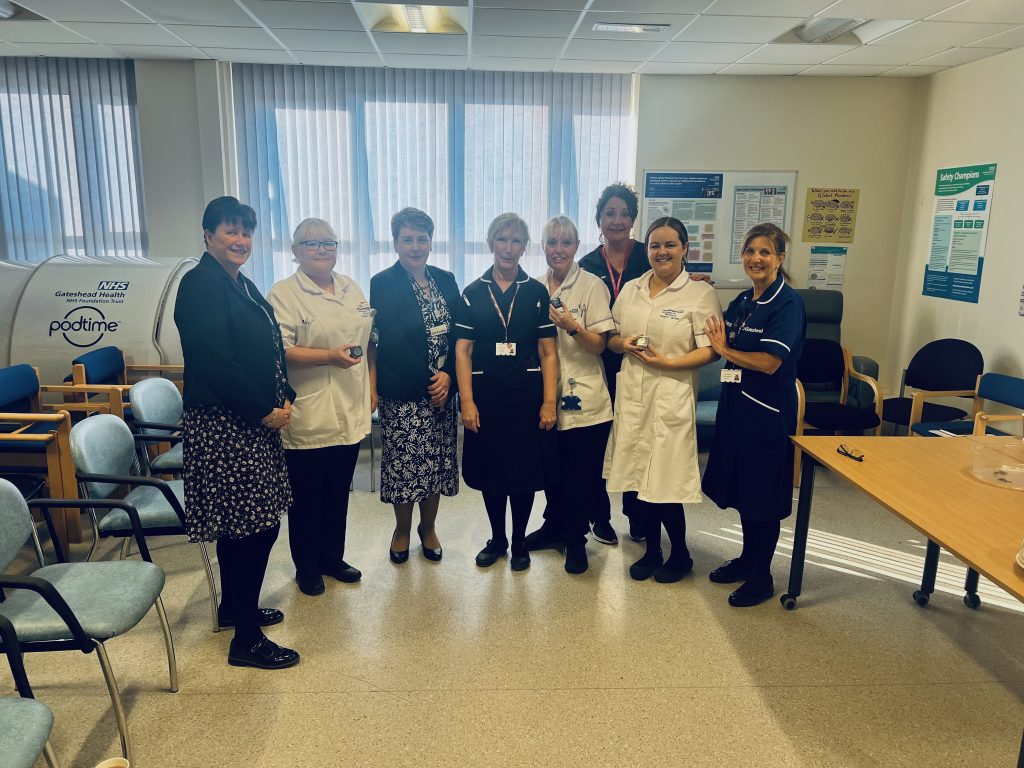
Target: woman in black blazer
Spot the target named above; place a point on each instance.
(237, 399)
(415, 366)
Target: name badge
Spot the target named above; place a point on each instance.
(441, 361)
(365, 310)
(505, 349)
(672, 314)
(439, 330)
(732, 375)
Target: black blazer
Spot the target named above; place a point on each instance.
(403, 371)
(227, 343)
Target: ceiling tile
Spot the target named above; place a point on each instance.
(911, 71)
(651, 6)
(846, 70)
(325, 40)
(84, 10)
(939, 32)
(887, 9)
(68, 50)
(413, 43)
(1012, 39)
(37, 32)
(1001, 11)
(338, 59)
(625, 50)
(490, 21)
(533, 5)
(223, 13)
(695, 53)
(243, 56)
(675, 22)
(159, 52)
(517, 47)
(762, 69)
(506, 64)
(126, 34)
(888, 54)
(738, 29)
(803, 8)
(780, 53)
(401, 61)
(217, 37)
(678, 68)
(305, 15)
(957, 56)
(9, 49)
(583, 65)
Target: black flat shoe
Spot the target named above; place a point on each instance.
(263, 654)
(751, 594)
(431, 554)
(343, 572)
(636, 531)
(729, 572)
(544, 538)
(576, 558)
(670, 572)
(267, 618)
(310, 585)
(397, 556)
(489, 555)
(645, 567)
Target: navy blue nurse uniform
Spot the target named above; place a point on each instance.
(750, 467)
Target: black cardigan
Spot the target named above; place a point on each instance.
(227, 343)
(402, 365)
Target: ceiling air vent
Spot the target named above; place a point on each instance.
(824, 30)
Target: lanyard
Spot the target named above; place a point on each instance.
(497, 309)
(742, 323)
(616, 284)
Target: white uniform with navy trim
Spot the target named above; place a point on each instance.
(653, 446)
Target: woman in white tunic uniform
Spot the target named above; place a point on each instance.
(652, 453)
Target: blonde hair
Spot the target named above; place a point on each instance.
(313, 229)
(561, 224)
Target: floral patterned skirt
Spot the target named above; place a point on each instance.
(420, 456)
(236, 479)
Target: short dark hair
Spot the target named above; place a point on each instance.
(228, 210)
(623, 191)
(413, 218)
(672, 223)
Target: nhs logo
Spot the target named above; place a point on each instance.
(112, 285)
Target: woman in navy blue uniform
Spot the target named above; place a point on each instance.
(751, 463)
(506, 364)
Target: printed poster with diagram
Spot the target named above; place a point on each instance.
(830, 215)
(694, 199)
(963, 202)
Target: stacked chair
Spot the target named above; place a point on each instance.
(25, 723)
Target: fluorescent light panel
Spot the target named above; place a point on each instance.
(638, 29)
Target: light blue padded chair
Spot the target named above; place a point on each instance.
(158, 407)
(78, 606)
(103, 449)
(25, 723)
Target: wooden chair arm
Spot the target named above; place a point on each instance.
(94, 389)
(875, 390)
(917, 402)
(981, 419)
(34, 417)
(150, 367)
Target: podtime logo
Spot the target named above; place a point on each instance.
(83, 326)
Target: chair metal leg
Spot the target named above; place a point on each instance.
(211, 584)
(50, 755)
(95, 534)
(115, 700)
(126, 548)
(37, 546)
(165, 626)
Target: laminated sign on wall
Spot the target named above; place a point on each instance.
(830, 215)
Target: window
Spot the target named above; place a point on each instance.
(353, 146)
(68, 143)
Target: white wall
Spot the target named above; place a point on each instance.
(971, 114)
(842, 132)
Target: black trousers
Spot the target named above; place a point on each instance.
(579, 497)
(320, 479)
(243, 564)
(651, 518)
(760, 537)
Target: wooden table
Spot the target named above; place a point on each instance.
(926, 482)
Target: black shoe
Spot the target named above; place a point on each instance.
(645, 567)
(729, 572)
(342, 571)
(752, 593)
(672, 572)
(310, 585)
(489, 555)
(520, 556)
(576, 558)
(544, 537)
(433, 555)
(604, 532)
(267, 617)
(636, 531)
(397, 556)
(264, 654)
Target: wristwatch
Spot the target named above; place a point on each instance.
(573, 332)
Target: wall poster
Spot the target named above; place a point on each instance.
(830, 215)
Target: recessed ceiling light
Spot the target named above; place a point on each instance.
(414, 16)
(637, 29)
(821, 30)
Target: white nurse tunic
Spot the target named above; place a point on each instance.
(653, 446)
